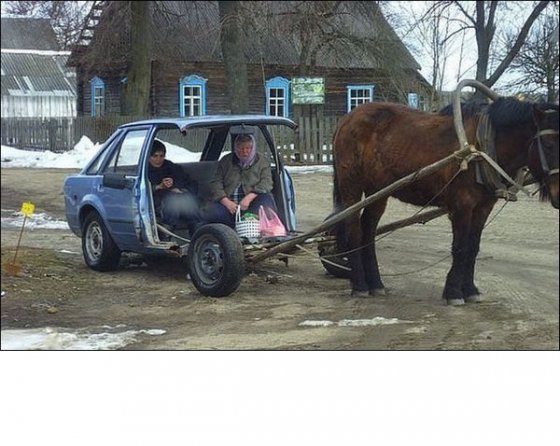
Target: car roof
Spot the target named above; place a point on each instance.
(215, 120)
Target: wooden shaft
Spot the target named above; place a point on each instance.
(383, 193)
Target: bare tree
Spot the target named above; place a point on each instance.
(499, 29)
(484, 18)
(232, 41)
(537, 62)
(430, 32)
(66, 17)
(139, 78)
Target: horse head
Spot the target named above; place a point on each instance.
(543, 153)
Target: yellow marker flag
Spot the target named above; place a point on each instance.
(27, 208)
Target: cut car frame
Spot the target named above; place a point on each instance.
(109, 203)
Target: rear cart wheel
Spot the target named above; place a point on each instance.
(99, 250)
(215, 260)
(334, 263)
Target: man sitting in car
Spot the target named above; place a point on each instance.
(174, 202)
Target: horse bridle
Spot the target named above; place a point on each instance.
(542, 156)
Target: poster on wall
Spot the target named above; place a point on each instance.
(308, 90)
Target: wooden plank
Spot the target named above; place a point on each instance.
(307, 130)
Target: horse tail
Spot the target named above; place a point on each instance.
(338, 230)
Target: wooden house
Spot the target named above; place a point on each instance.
(304, 58)
(35, 80)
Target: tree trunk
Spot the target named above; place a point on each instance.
(231, 36)
(139, 80)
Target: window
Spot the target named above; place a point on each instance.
(417, 101)
(192, 96)
(413, 100)
(277, 103)
(97, 97)
(359, 94)
(125, 158)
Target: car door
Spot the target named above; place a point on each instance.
(119, 189)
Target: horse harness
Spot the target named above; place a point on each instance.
(542, 156)
(490, 174)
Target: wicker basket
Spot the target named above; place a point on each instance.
(246, 228)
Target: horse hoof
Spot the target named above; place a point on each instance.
(359, 293)
(473, 299)
(377, 292)
(456, 302)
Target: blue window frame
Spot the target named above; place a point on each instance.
(192, 96)
(97, 96)
(358, 95)
(277, 99)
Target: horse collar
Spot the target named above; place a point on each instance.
(486, 172)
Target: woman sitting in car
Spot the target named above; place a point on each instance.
(243, 179)
(173, 200)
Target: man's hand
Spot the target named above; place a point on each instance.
(166, 183)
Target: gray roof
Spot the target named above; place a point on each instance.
(356, 36)
(36, 74)
(32, 64)
(20, 33)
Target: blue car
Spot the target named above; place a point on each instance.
(109, 204)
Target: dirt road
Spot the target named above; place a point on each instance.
(297, 306)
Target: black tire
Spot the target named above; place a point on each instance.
(215, 260)
(337, 265)
(98, 248)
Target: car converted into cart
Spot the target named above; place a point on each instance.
(109, 204)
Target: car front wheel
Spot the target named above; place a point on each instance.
(99, 250)
(215, 260)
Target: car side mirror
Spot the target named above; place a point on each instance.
(117, 181)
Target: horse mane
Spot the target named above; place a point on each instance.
(504, 112)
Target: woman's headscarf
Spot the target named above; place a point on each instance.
(238, 141)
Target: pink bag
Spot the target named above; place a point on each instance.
(270, 224)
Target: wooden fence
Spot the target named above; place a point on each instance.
(309, 144)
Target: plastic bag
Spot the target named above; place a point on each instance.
(270, 224)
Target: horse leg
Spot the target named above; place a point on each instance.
(461, 223)
(349, 235)
(479, 218)
(370, 219)
(353, 246)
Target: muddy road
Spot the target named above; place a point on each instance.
(293, 306)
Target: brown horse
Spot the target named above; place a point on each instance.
(379, 143)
